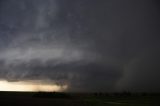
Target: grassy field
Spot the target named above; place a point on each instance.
(77, 99)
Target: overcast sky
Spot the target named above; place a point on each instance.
(90, 45)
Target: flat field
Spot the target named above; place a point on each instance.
(77, 99)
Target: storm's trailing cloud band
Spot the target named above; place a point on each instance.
(90, 45)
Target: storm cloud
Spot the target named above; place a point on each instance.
(90, 45)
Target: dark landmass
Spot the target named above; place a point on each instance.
(79, 99)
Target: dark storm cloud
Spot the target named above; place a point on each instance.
(91, 45)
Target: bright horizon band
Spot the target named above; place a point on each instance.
(29, 86)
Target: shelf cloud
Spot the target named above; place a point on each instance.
(87, 45)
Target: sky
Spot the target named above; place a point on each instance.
(86, 45)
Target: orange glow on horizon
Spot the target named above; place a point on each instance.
(29, 86)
